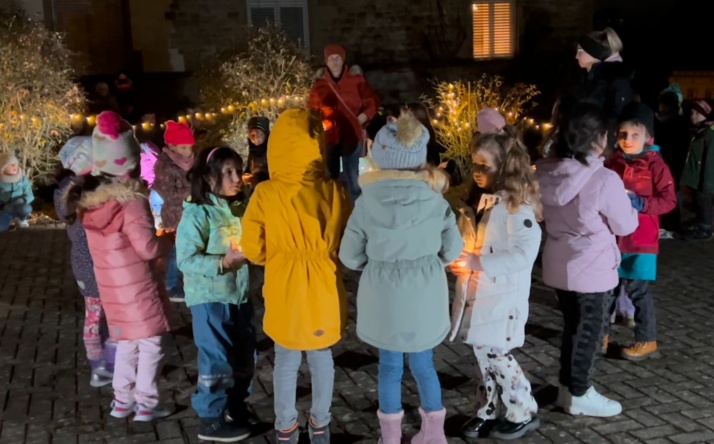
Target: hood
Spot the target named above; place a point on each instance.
(100, 208)
(292, 153)
(647, 155)
(353, 70)
(403, 198)
(562, 179)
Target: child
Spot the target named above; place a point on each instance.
(650, 187)
(15, 193)
(698, 173)
(293, 226)
(584, 207)
(76, 159)
(173, 186)
(501, 236)
(402, 233)
(112, 206)
(216, 285)
(149, 156)
(258, 133)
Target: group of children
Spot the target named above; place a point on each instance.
(147, 225)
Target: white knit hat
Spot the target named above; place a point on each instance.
(401, 145)
(115, 150)
(5, 160)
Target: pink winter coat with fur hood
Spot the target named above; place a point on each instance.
(124, 246)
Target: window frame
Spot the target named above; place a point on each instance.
(276, 5)
(513, 27)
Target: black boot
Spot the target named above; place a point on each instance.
(219, 430)
(478, 428)
(507, 430)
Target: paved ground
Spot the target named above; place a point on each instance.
(45, 396)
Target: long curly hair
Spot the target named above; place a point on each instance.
(515, 175)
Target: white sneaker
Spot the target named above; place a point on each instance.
(23, 224)
(593, 403)
(122, 410)
(564, 398)
(146, 414)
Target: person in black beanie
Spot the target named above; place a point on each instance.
(256, 170)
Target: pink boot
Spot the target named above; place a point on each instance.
(391, 426)
(432, 428)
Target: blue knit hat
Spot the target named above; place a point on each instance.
(401, 145)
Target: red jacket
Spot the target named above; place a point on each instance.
(340, 122)
(649, 177)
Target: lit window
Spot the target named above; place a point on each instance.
(290, 15)
(493, 28)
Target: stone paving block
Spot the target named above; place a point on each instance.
(694, 437)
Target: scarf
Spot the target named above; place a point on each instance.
(185, 163)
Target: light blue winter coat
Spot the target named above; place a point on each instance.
(402, 233)
(16, 193)
(204, 236)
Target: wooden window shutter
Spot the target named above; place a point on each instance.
(493, 29)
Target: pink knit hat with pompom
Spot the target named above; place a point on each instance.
(490, 121)
(115, 150)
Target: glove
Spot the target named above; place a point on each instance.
(638, 202)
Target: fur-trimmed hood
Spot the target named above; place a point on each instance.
(353, 70)
(100, 208)
(435, 177)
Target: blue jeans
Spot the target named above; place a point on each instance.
(174, 277)
(349, 172)
(13, 211)
(391, 369)
(225, 337)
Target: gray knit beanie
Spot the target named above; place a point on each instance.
(401, 145)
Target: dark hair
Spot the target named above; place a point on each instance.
(580, 128)
(421, 112)
(81, 185)
(205, 169)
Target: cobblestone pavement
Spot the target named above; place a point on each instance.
(45, 395)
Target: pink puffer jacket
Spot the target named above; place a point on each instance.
(124, 247)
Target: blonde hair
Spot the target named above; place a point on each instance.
(608, 37)
(515, 175)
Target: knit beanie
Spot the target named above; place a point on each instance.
(702, 107)
(261, 123)
(401, 145)
(490, 121)
(7, 159)
(595, 48)
(335, 49)
(115, 150)
(178, 134)
(76, 155)
(638, 113)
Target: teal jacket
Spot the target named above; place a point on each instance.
(18, 193)
(402, 233)
(204, 236)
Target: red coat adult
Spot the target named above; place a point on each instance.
(647, 176)
(124, 246)
(340, 121)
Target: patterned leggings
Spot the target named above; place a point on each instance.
(93, 320)
(502, 377)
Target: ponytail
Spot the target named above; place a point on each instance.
(613, 40)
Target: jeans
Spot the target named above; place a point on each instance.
(586, 317)
(137, 370)
(643, 301)
(350, 168)
(391, 369)
(13, 211)
(225, 337)
(174, 277)
(322, 373)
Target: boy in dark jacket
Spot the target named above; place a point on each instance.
(698, 172)
(650, 186)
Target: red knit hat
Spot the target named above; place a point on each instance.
(335, 49)
(178, 134)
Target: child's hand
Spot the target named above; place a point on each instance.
(234, 257)
(469, 261)
(638, 202)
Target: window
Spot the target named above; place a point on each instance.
(493, 28)
(290, 15)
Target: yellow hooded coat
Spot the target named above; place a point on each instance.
(293, 225)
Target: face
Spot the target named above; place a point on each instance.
(256, 136)
(632, 138)
(485, 168)
(102, 89)
(231, 180)
(335, 64)
(182, 150)
(11, 169)
(585, 60)
(697, 117)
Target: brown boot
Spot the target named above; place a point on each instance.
(605, 343)
(640, 351)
